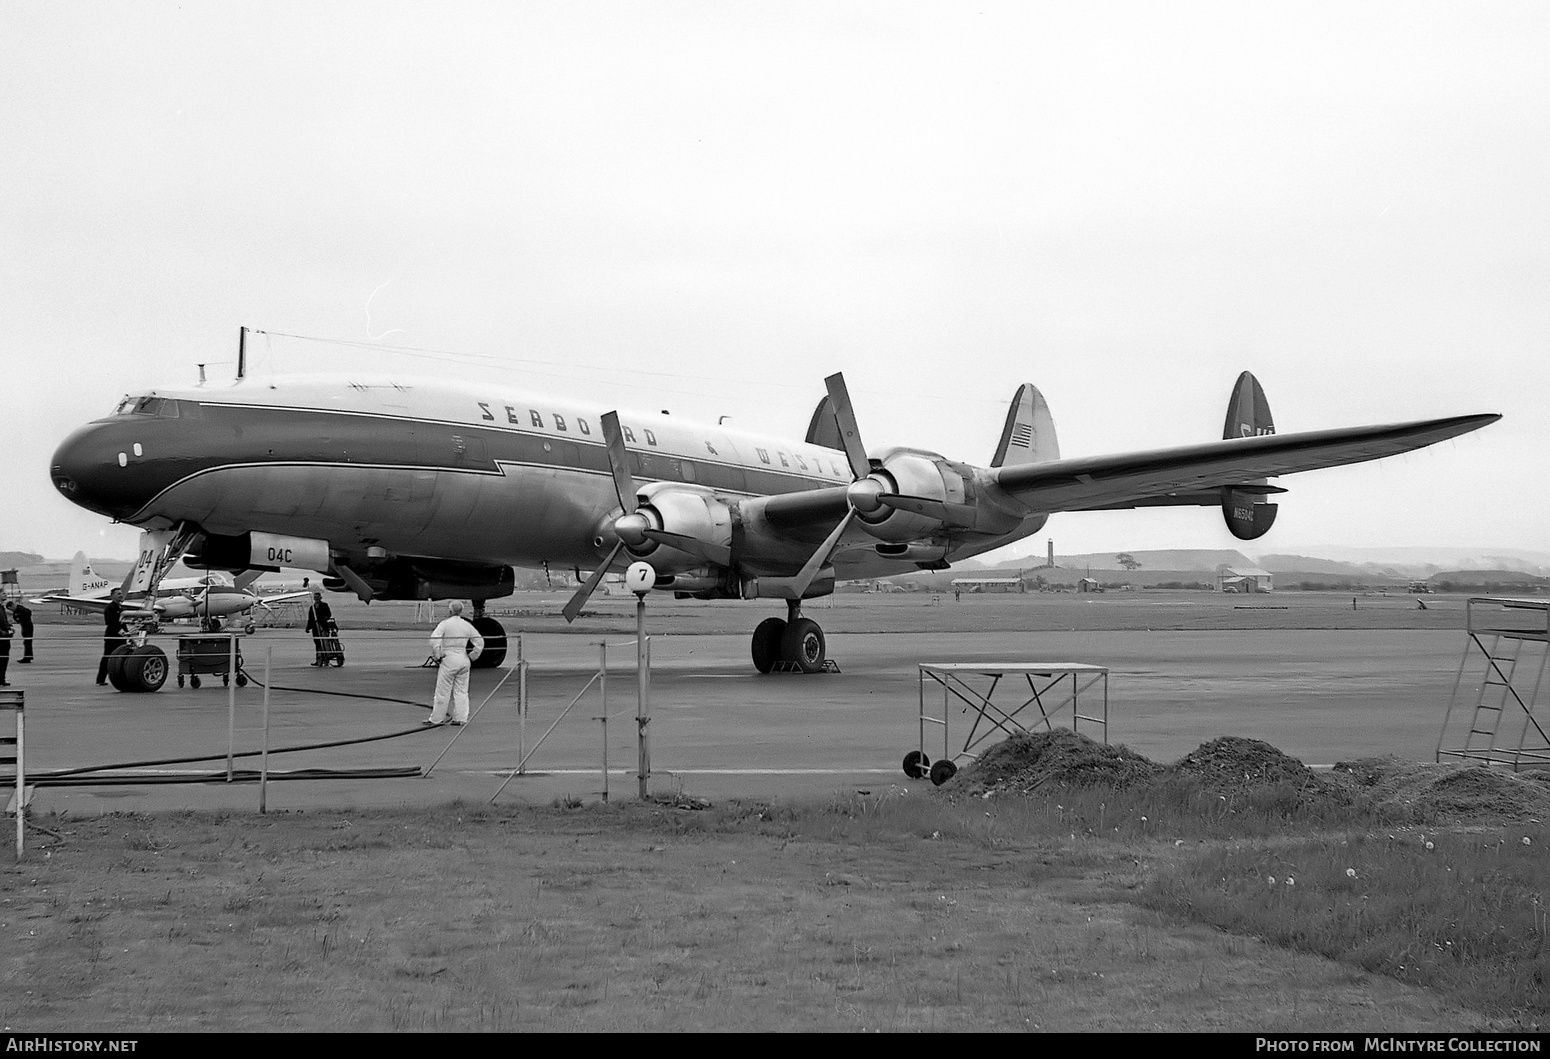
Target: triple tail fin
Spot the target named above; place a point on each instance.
(1244, 508)
(1029, 433)
(823, 429)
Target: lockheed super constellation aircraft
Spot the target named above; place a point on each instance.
(429, 489)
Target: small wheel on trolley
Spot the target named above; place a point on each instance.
(915, 765)
(242, 680)
(943, 771)
(193, 682)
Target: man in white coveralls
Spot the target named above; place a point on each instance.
(454, 644)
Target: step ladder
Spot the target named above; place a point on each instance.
(1495, 716)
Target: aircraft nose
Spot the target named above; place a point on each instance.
(90, 468)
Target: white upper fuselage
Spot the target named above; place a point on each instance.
(485, 473)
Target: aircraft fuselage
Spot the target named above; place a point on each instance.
(422, 468)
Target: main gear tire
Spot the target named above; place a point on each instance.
(116, 662)
(494, 652)
(803, 644)
(145, 669)
(767, 639)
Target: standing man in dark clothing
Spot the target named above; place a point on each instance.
(112, 632)
(320, 623)
(5, 642)
(23, 615)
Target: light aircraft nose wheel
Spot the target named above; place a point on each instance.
(943, 771)
(915, 765)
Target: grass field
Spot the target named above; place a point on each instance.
(899, 908)
(884, 911)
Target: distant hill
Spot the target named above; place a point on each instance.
(1203, 560)
(1490, 581)
(13, 560)
(1307, 564)
(1425, 560)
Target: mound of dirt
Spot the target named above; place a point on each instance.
(1452, 793)
(1023, 763)
(1233, 764)
(1388, 786)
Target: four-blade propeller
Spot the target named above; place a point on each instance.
(630, 528)
(867, 493)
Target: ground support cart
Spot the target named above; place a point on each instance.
(333, 650)
(1052, 688)
(208, 656)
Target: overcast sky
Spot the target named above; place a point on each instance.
(708, 207)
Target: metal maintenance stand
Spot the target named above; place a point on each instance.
(13, 701)
(1052, 687)
(1506, 655)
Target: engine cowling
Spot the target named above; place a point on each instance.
(911, 474)
(697, 515)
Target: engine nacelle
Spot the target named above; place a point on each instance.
(684, 511)
(912, 474)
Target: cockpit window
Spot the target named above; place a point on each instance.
(161, 407)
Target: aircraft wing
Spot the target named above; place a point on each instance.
(92, 603)
(1195, 474)
(283, 597)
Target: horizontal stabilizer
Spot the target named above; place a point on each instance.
(1139, 479)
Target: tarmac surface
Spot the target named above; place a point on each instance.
(718, 731)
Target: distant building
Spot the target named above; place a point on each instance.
(1244, 579)
(1088, 584)
(989, 584)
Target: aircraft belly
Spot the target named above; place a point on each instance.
(525, 516)
(237, 499)
(529, 515)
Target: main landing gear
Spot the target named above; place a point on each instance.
(494, 634)
(795, 643)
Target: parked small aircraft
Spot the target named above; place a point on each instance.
(398, 488)
(210, 598)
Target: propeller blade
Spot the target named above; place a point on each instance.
(584, 593)
(821, 556)
(850, 433)
(619, 461)
(719, 554)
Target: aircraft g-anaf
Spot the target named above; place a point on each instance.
(210, 597)
(400, 488)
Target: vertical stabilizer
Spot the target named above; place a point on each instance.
(1245, 510)
(822, 429)
(84, 581)
(1029, 433)
(1248, 413)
